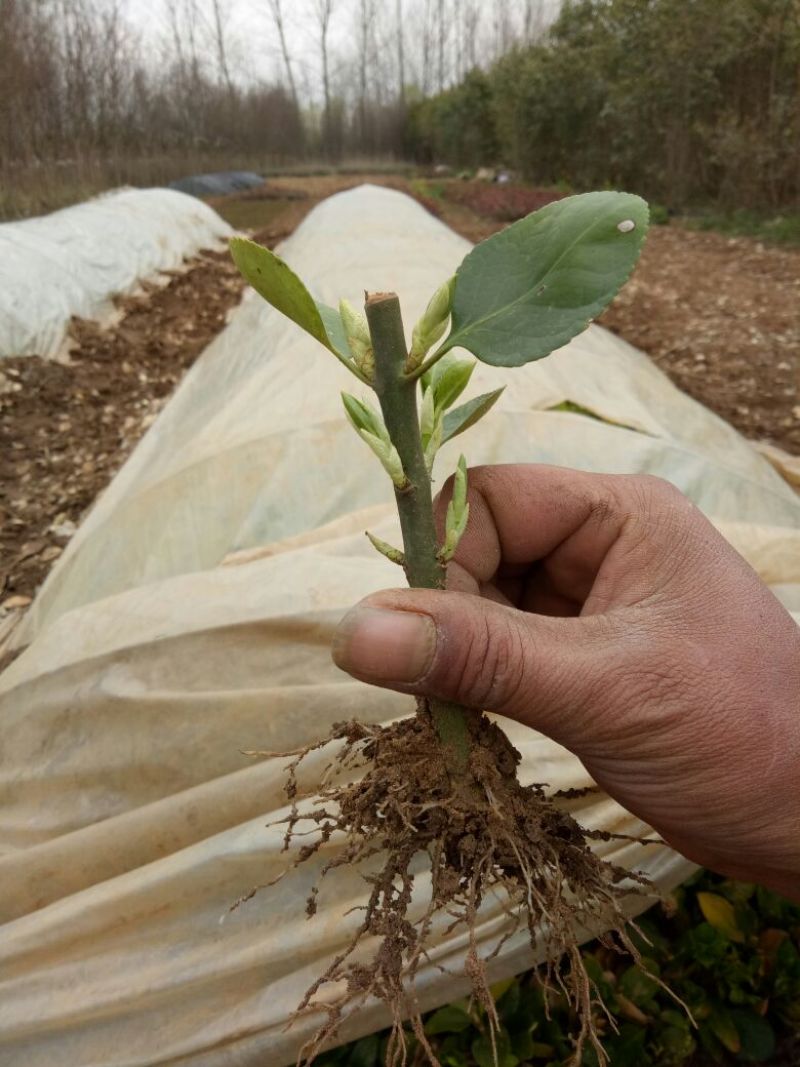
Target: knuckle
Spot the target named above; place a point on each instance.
(603, 506)
(658, 513)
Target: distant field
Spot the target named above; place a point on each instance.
(39, 189)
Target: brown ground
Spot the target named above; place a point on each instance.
(721, 316)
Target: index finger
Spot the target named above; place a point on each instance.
(568, 521)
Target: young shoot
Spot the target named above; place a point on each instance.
(444, 782)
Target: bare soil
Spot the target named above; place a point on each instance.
(720, 315)
(66, 429)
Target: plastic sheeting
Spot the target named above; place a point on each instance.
(228, 181)
(73, 261)
(191, 618)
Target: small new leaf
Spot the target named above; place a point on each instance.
(432, 325)
(362, 416)
(389, 457)
(432, 445)
(277, 283)
(449, 378)
(385, 549)
(457, 513)
(358, 338)
(461, 418)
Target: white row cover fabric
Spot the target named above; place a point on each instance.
(73, 261)
(191, 619)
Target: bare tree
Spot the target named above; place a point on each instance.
(323, 10)
(441, 19)
(503, 28)
(183, 20)
(534, 20)
(276, 10)
(365, 57)
(401, 67)
(219, 17)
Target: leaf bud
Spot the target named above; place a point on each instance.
(457, 513)
(385, 549)
(362, 416)
(389, 457)
(358, 338)
(431, 327)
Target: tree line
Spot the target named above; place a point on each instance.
(75, 80)
(682, 100)
(79, 78)
(685, 101)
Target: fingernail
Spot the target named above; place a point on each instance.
(379, 645)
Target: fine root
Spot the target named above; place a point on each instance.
(483, 834)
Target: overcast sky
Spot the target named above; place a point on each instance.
(253, 45)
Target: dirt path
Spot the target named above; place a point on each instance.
(66, 430)
(720, 316)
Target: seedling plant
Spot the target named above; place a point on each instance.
(443, 783)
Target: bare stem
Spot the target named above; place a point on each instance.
(397, 395)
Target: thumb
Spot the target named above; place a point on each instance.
(554, 674)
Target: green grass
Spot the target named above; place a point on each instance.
(729, 951)
(782, 229)
(423, 188)
(250, 212)
(36, 189)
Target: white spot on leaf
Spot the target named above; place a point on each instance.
(626, 226)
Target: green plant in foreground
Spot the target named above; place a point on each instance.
(729, 950)
(444, 783)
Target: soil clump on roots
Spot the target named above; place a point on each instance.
(484, 834)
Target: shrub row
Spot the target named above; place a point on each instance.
(683, 101)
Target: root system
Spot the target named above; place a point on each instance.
(484, 834)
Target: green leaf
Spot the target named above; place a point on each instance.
(451, 1019)
(575, 409)
(677, 1044)
(484, 1054)
(756, 1034)
(334, 328)
(366, 1052)
(529, 289)
(637, 985)
(454, 1051)
(720, 914)
(705, 945)
(449, 378)
(499, 989)
(522, 1044)
(724, 1028)
(363, 416)
(461, 418)
(278, 284)
(595, 972)
(676, 1019)
(627, 1049)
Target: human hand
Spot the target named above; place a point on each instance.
(608, 613)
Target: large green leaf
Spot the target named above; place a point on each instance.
(279, 285)
(532, 287)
